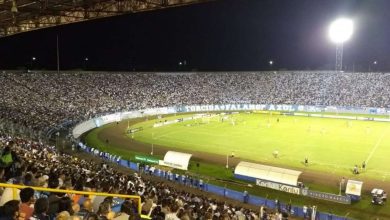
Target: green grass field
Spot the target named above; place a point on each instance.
(331, 145)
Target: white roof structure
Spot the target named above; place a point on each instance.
(176, 160)
(270, 173)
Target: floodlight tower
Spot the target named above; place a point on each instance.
(340, 31)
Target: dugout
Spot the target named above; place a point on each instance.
(254, 172)
(176, 160)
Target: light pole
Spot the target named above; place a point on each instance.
(32, 62)
(182, 64)
(340, 31)
(271, 62)
(227, 161)
(86, 59)
(373, 67)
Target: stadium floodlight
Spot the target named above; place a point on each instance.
(373, 67)
(33, 58)
(271, 62)
(86, 59)
(340, 31)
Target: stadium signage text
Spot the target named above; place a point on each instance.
(237, 107)
(147, 159)
(244, 107)
(278, 186)
(173, 165)
(327, 196)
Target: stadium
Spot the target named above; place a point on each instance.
(185, 143)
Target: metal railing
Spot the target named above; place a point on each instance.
(15, 193)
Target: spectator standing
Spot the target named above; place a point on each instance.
(304, 210)
(27, 199)
(125, 212)
(41, 208)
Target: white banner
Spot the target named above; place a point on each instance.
(278, 186)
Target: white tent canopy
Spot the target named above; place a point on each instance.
(176, 160)
(269, 173)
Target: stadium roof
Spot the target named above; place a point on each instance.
(18, 16)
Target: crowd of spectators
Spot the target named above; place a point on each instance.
(40, 101)
(43, 100)
(31, 163)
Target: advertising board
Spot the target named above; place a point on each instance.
(278, 186)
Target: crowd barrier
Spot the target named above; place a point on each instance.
(118, 198)
(223, 191)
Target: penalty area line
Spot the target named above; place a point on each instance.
(376, 146)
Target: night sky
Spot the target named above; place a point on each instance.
(222, 35)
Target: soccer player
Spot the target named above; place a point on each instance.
(306, 161)
(364, 165)
(355, 169)
(275, 153)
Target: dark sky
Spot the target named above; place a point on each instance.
(222, 35)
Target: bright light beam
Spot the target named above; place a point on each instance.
(340, 30)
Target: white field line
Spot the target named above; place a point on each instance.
(241, 134)
(175, 140)
(221, 146)
(376, 146)
(156, 137)
(172, 139)
(235, 135)
(169, 136)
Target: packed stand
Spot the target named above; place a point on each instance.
(42, 100)
(35, 164)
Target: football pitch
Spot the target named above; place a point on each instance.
(331, 145)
